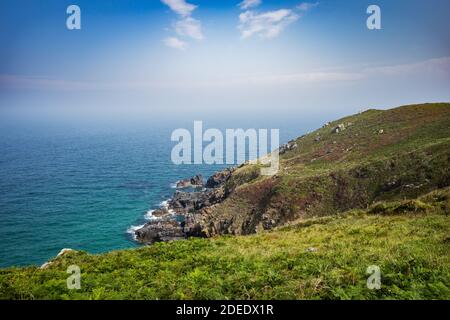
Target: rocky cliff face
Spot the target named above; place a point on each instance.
(195, 182)
(219, 178)
(375, 155)
(183, 216)
(349, 163)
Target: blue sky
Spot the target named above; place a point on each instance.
(196, 58)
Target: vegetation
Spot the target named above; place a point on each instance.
(318, 258)
(377, 155)
(375, 193)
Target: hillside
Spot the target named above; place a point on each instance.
(369, 189)
(349, 163)
(320, 258)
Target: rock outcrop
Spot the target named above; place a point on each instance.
(185, 202)
(195, 181)
(183, 215)
(291, 145)
(218, 178)
(332, 170)
(166, 229)
(339, 128)
(61, 253)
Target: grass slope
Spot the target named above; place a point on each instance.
(409, 240)
(366, 172)
(381, 155)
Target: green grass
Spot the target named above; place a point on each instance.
(348, 170)
(409, 240)
(355, 197)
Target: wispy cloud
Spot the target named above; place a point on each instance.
(436, 67)
(306, 6)
(180, 7)
(175, 43)
(267, 25)
(247, 4)
(186, 26)
(189, 27)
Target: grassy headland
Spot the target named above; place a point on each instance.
(374, 193)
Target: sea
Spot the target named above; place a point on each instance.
(88, 188)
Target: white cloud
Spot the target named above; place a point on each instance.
(246, 4)
(268, 24)
(271, 23)
(175, 43)
(306, 6)
(437, 67)
(181, 7)
(189, 27)
(186, 26)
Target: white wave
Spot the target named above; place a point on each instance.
(164, 204)
(149, 215)
(132, 230)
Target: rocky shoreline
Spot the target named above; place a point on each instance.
(181, 217)
(189, 213)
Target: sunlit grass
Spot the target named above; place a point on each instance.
(321, 258)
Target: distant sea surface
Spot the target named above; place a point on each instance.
(84, 189)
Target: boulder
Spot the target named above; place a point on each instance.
(195, 181)
(291, 145)
(340, 127)
(64, 251)
(159, 213)
(45, 265)
(160, 231)
(184, 202)
(192, 226)
(60, 254)
(218, 178)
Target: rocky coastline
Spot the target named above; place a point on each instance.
(181, 217)
(190, 211)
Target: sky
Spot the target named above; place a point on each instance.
(159, 60)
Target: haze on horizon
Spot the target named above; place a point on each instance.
(199, 59)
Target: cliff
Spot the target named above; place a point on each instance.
(349, 163)
(367, 190)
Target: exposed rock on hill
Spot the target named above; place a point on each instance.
(161, 230)
(196, 181)
(167, 224)
(326, 176)
(219, 178)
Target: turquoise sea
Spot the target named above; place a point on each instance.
(84, 188)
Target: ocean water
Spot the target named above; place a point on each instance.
(83, 189)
